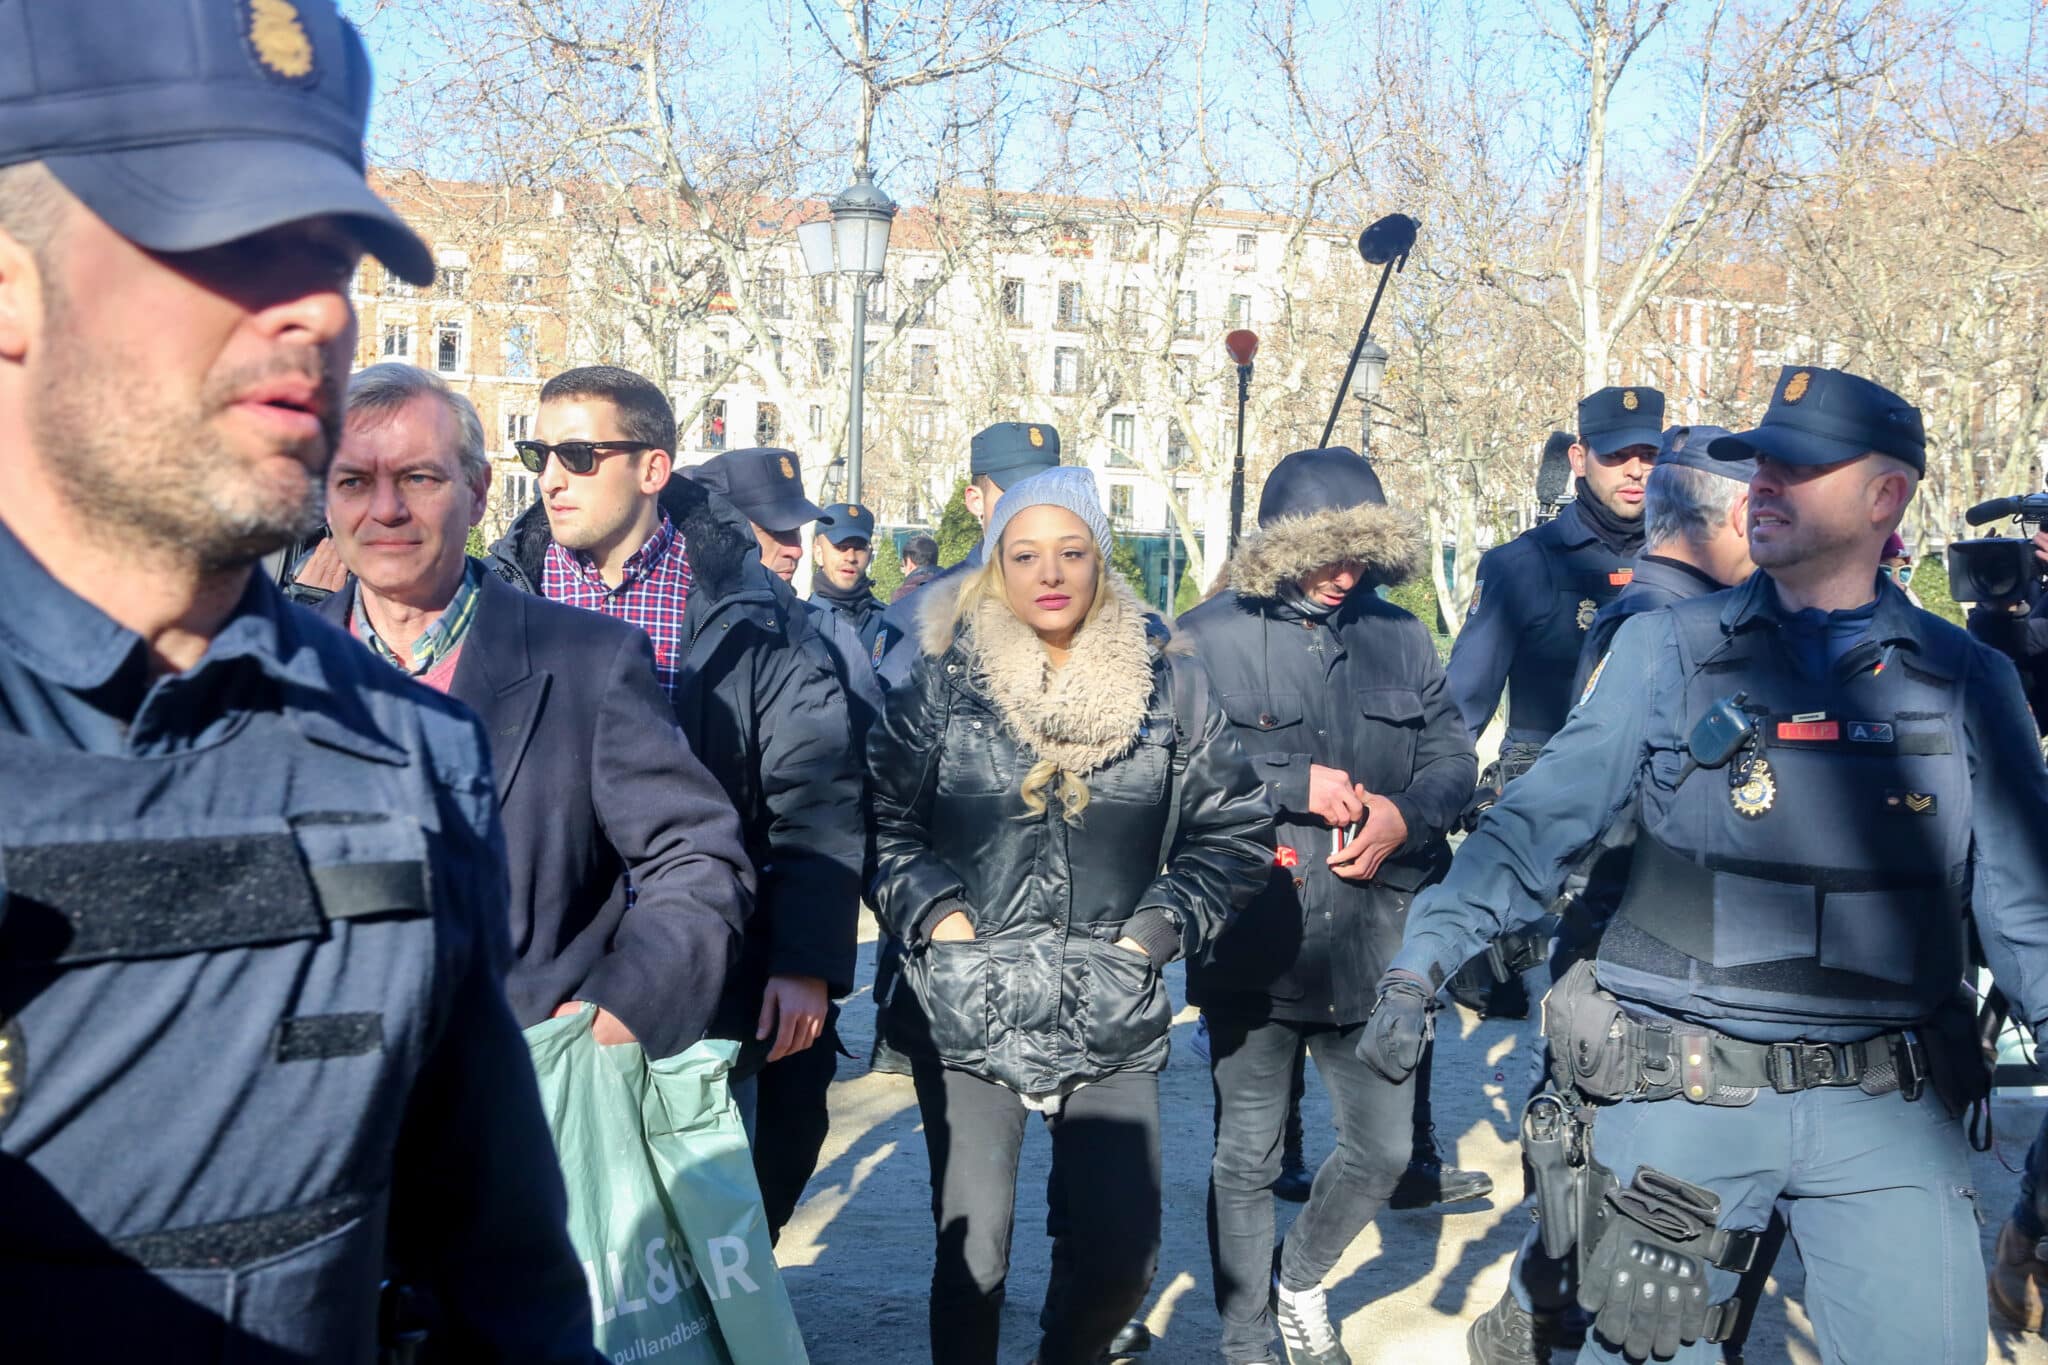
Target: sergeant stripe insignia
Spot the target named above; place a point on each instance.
(1910, 803)
(1593, 679)
(13, 1069)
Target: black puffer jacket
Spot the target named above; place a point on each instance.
(1042, 998)
(1359, 690)
(760, 702)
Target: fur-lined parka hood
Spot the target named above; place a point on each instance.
(1082, 716)
(1387, 544)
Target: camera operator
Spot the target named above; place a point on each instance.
(2019, 630)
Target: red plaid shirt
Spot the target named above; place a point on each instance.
(651, 593)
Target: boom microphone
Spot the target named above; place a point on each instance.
(1993, 510)
(1554, 473)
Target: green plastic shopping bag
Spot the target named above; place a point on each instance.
(664, 1212)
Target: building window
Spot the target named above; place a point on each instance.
(817, 422)
(1123, 438)
(1013, 302)
(1067, 308)
(1066, 369)
(774, 292)
(448, 346)
(714, 424)
(924, 427)
(921, 302)
(1123, 241)
(1176, 445)
(924, 369)
(1766, 335)
(827, 356)
(1184, 313)
(395, 288)
(1120, 504)
(711, 350)
(767, 424)
(1183, 376)
(519, 358)
(451, 282)
(1247, 245)
(825, 291)
(775, 349)
(1020, 369)
(518, 426)
(397, 341)
(1240, 310)
(518, 288)
(878, 301)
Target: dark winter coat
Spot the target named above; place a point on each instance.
(1359, 690)
(596, 785)
(861, 610)
(1657, 583)
(1042, 998)
(759, 701)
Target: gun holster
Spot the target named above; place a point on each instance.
(1556, 1143)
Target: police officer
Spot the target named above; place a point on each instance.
(1537, 595)
(254, 1050)
(1696, 509)
(1822, 777)
(841, 551)
(998, 457)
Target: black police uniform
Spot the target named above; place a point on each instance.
(857, 606)
(1537, 595)
(1774, 1010)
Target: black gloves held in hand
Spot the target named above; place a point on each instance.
(1402, 1024)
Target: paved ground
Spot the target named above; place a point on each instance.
(858, 1256)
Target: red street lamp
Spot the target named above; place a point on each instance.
(1241, 345)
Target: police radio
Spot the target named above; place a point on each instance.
(1997, 571)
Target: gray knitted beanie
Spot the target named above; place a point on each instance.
(1068, 486)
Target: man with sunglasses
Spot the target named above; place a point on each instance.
(616, 530)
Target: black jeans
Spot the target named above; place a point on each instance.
(791, 1122)
(1250, 1066)
(1105, 1150)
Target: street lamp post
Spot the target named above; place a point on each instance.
(1365, 386)
(855, 242)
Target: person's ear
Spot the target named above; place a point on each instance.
(1578, 455)
(971, 497)
(654, 474)
(21, 300)
(1738, 516)
(479, 495)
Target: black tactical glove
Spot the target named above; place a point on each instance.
(1403, 1021)
(1646, 1282)
(1483, 796)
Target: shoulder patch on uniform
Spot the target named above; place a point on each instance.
(1593, 679)
(1473, 608)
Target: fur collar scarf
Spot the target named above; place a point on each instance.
(1080, 717)
(1386, 543)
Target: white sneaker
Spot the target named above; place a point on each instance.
(1304, 1319)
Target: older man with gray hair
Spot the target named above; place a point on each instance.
(1696, 511)
(629, 881)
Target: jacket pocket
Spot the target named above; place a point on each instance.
(1125, 1009)
(1263, 712)
(951, 981)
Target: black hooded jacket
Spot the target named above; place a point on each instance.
(1359, 689)
(762, 707)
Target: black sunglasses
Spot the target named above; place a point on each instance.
(578, 457)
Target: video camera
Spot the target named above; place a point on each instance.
(1996, 571)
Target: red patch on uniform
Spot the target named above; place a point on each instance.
(1283, 856)
(1621, 578)
(1814, 730)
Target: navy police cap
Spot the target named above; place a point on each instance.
(1614, 419)
(844, 521)
(188, 125)
(765, 483)
(1686, 448)
(1010, 452)
(1820, 416)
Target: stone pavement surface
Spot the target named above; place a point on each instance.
(858, 1256)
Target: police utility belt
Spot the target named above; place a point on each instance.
(1602, 1051)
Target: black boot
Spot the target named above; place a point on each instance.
(1506, 1334)
(1428, 1181)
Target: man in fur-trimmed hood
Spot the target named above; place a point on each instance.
(1339, 700)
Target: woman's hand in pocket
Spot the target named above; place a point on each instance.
(954, 928)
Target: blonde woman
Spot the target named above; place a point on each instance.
(1040, 766)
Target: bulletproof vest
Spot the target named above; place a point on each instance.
(1820, 878)
(216, 969)
(1579, 581)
